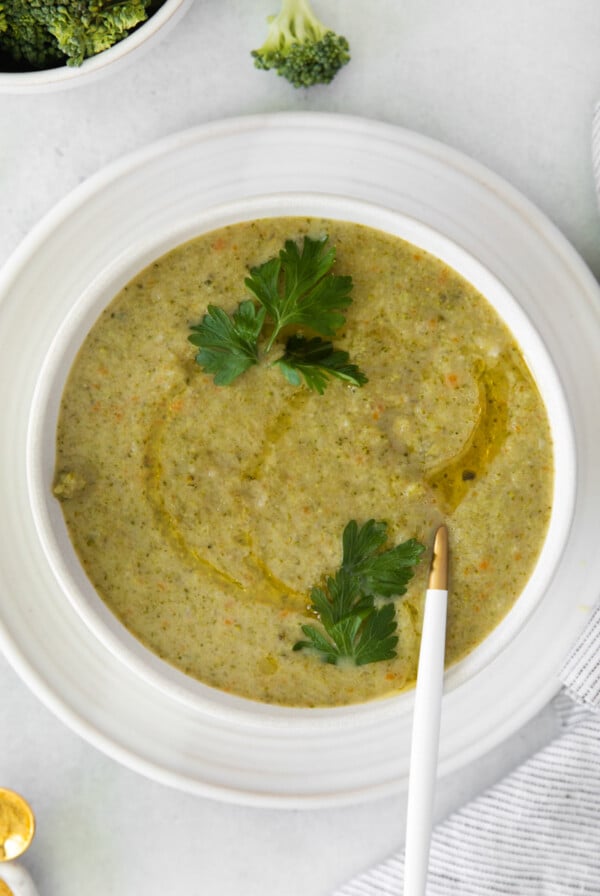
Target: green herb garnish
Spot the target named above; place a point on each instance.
(317, 360)
(228, 344)
(295, 289)
(355, 608)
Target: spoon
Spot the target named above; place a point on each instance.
(426, 721)
(17, 827)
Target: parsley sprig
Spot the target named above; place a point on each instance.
(355, 607)
(316, 360)
(295, 289)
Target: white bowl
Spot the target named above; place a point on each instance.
(53, 628)
(141, 39)
(159, 239)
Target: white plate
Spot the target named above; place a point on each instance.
(233, 757)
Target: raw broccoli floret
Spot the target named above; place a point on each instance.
(300, 47)
(46, 33)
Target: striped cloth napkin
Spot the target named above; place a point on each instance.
(537, 832)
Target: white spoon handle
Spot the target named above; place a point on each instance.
(425, 743)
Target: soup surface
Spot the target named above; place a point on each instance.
(204, 514)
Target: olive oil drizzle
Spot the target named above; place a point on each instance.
(455, 476)
(269, 589)
(451, 480)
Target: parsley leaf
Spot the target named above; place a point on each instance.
(355, 608)
(378, 639)
(317, 360)
(228, 345)
(297, 287)
(379, 573)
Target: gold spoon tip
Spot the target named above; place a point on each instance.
(438, 572)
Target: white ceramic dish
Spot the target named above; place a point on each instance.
(103, 233)
(104, 285)
(141, 39)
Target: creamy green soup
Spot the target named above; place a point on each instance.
(204, 514)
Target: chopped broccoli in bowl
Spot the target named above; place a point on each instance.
(300, 47)
(43, 34)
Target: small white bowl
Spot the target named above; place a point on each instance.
(141, 39)
(45, 409)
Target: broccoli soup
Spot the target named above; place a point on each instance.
(258, 438)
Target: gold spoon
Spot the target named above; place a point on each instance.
(17, 827)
